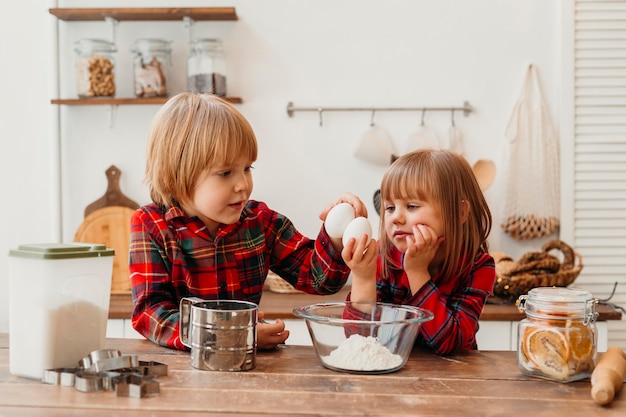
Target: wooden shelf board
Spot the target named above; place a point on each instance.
(145, 14)
(100, 101)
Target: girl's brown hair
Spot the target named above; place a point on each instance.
(444, 179)
(189, 134)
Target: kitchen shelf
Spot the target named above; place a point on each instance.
(124, 101)
(145, 14)
(139, 14)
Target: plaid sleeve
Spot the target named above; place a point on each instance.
(312, 266)
(457, 309)
(155, 310)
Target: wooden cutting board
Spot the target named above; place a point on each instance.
(107, 221)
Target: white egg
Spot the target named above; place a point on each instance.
(356, 229)
(337, 219)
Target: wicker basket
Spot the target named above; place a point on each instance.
(512, 285)
(277, 284)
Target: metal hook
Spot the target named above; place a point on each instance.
(113, 24)
(452, 117)
(188, 24)
(319, 112)
(423, 116)
(372, 118)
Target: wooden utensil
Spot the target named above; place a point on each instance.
(113, 195)
(107, 221)
(607, 378)
(485, 172)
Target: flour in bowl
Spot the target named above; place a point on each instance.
(362, 353)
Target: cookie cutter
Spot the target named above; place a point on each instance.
(136, 385)
(60, 376)
(108, 369)
(152, 368)
(114, 363)
(98, 355)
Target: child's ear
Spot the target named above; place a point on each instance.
(465, 208)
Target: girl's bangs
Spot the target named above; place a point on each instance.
(406, 182)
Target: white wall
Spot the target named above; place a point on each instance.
(315, 53)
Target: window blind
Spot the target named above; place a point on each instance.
(598, 152)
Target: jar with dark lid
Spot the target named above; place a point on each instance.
(95, 68)
(557, 339)
(152, 58)
(206, 68)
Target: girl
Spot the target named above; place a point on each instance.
(202, 236)
(433, 250)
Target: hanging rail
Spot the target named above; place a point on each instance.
(291, 109)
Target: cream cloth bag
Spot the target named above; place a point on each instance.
(531, 169)
(375, 146)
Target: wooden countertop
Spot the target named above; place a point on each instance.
(291, 381)
(281, 305)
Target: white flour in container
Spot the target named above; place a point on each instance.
(362, 353)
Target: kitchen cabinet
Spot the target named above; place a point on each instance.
(187, 14)
(498, 322)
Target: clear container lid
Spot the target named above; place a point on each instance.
(206, 45)
(558, 303)
(144, 46)
(94, 45)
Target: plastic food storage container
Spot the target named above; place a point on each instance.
(557, 339)
(152, 58)
(58, 305)
(95, 68)
(206, 68)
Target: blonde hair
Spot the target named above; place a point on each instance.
(189, 134)
(444, 179)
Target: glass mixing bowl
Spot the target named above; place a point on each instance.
(369, 338)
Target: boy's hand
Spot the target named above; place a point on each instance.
(270, 335)
(359, 207)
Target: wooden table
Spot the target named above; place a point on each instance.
(291, 381)
(280, 306)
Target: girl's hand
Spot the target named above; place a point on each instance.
(361, 260)
(359, 207)
(270, 335)
(421, 250)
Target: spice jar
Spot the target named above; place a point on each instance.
(150, 63)
(557, 339)
(95, 68)
(206, 68)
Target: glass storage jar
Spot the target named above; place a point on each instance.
(95, 68)
(206, 67)
(152, 58)
(557, 339)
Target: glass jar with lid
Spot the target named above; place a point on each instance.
(95, 68)
(557, 339)
(206, 67)
(152, 58)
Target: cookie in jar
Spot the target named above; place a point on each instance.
(151, 60)
(557, 339)
(95, 68)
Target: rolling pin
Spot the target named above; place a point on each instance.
(608, 376)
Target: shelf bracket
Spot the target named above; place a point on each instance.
(188, 22)
(113, 25)
(112, 115)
